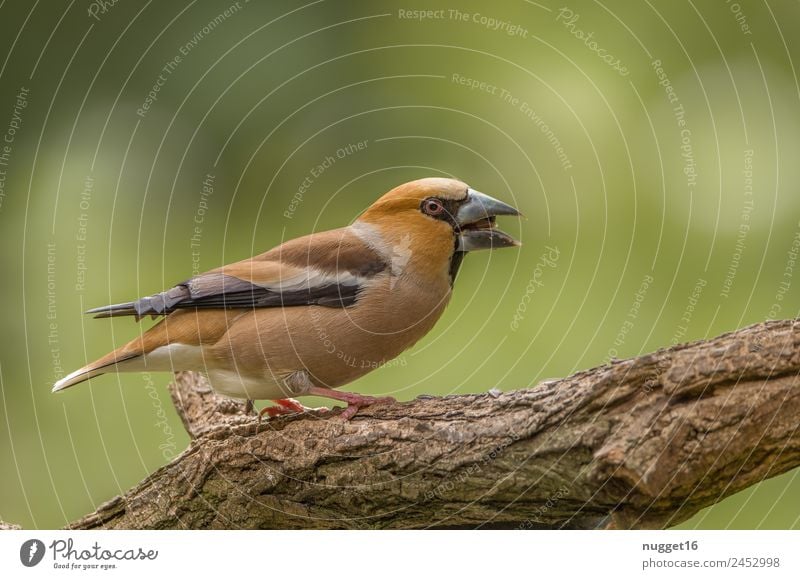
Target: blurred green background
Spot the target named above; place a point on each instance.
(653, 147)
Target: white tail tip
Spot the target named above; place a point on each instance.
(74, 378)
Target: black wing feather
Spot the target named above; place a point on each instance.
(230, 292)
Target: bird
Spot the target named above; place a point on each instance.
(316, 312)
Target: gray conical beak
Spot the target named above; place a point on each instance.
(475, 219)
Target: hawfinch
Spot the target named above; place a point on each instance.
(319, 311)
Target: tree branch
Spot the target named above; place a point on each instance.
(639, 443)
(8, 526)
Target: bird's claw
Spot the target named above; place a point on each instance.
(287, 406)
(358, 402)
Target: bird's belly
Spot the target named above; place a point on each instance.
(332, 346)
(236, 385)
(332, 350)
(328, 359)
(173, 357)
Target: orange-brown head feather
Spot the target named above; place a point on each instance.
(427, 242)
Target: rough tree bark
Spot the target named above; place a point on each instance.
(639, 443)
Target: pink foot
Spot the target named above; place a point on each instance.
(290, 404)
(354, 401)
(285, 406)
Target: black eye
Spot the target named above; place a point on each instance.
(432, 206)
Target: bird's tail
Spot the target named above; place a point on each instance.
(166, 347)
(112, 362)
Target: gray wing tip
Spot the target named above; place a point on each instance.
(156, 305)
(125, 309)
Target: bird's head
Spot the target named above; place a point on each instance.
(438, 220)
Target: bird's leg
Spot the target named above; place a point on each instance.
(354, 401)
(286, 406)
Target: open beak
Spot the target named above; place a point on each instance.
(475, 219)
